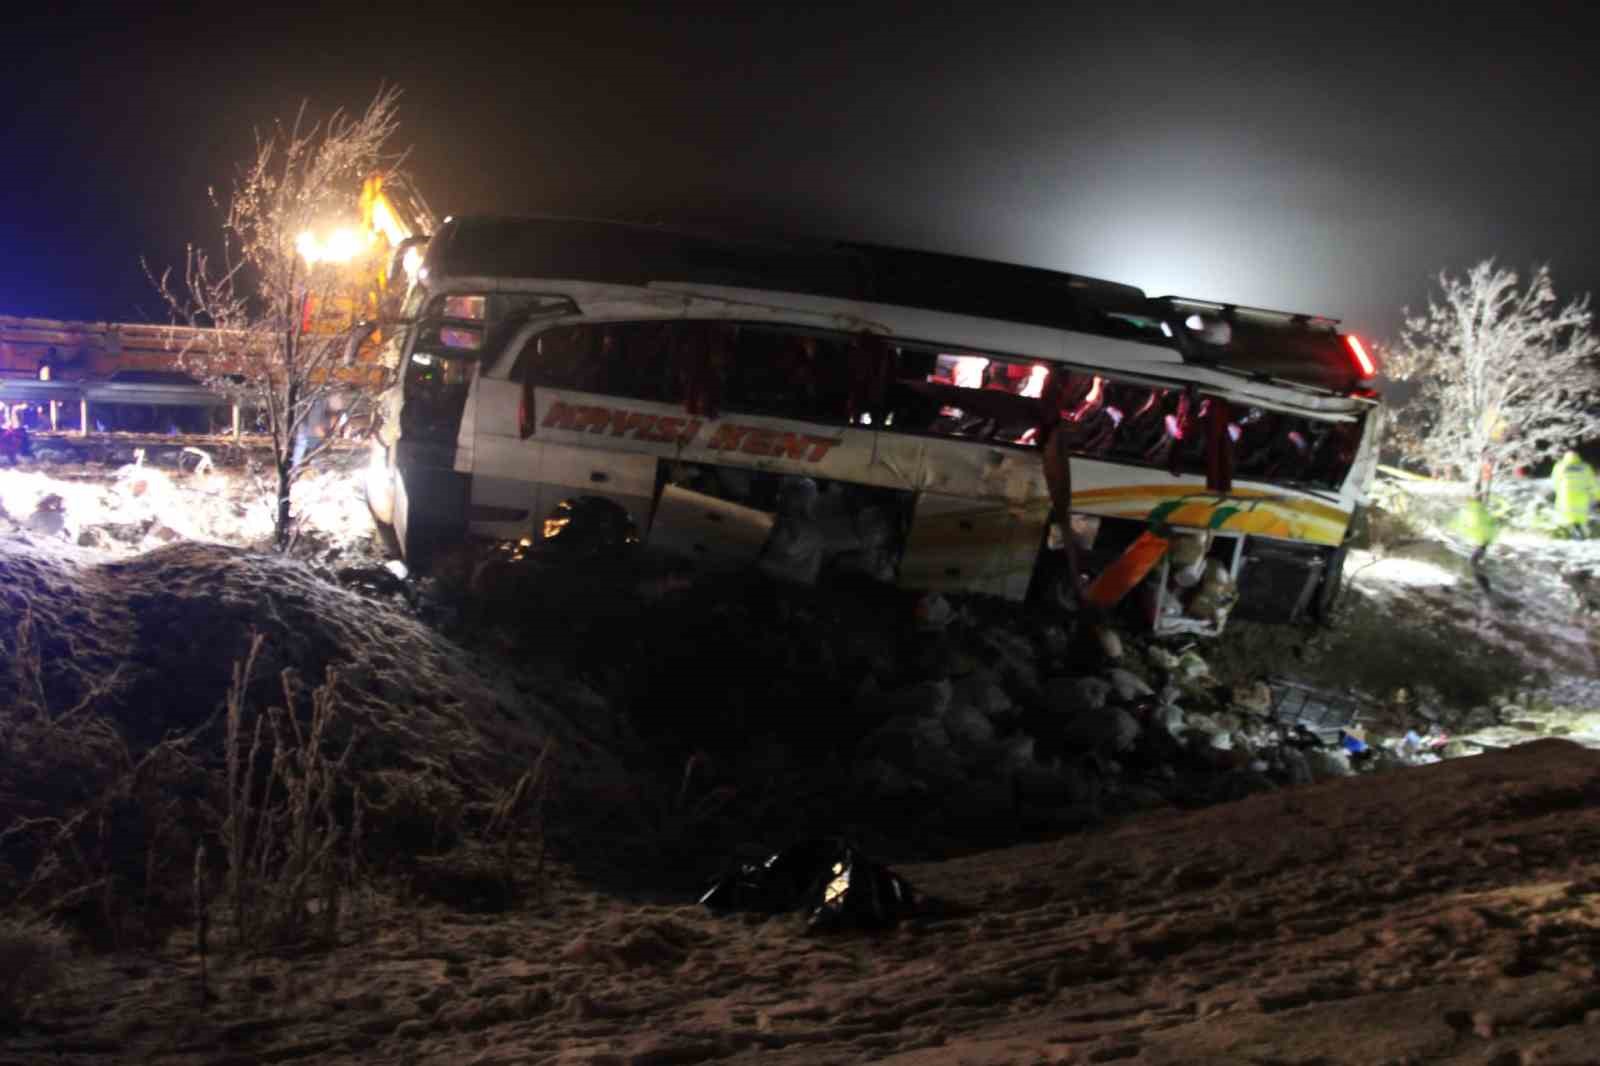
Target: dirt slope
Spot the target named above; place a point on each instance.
(1444, 914)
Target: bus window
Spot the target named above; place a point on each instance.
(790, 374)
(1274, 446)
(959, 395)
(436, 393)
(616, 358)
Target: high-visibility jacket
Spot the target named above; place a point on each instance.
(1475, 524)
(1575, 489)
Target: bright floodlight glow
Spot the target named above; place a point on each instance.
(340, 246)
(412, 261)
(384, 220)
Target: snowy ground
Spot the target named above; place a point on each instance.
(1445, 913)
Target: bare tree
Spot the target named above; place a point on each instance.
(292, 281)
(1504, 375)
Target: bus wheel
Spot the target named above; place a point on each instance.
(589, 525)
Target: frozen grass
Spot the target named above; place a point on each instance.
(162, 749)
(32, 953)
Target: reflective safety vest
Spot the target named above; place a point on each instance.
(1475, 523)
(1575, 489)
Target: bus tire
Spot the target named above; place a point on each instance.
(589, 525)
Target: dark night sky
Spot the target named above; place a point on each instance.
(1328, 160)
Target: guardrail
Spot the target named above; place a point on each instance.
(86, 394)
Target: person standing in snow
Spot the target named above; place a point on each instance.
(1477, 527)
(1575, 491)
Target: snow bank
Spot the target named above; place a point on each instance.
(161, 632)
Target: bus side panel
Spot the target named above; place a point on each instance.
(506, 501)
(963, 545)
(1114, 490)
(715, 533)
(627, 479)
(505, 468)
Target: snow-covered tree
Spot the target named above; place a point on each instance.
(292, 279)
(1505, 375)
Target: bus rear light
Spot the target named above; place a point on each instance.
(1365, 367)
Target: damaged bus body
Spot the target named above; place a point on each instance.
(875, 410)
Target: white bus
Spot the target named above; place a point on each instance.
(859, 408)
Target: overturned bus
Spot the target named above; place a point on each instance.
(938, 422)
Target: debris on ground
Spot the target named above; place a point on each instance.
(828, 880)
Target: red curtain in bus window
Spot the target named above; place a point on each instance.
(703, 354)
(869, 374)
(1219, 447)
(1181, 426)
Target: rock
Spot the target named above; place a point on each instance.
(1229, 721)
(981, 691)
(1108, 728)
(1128, 685)
(1013, 657)
(1078, 693)
(1110, 643)
(883, 779)
(1241, 783)
(49, 518)
(1014, 753)
(917, 744)
(1295, 766)
(1136, 797)
(1480, 717)
(926, 699)
(969, 726)
(933, 612)
(1046, 786)
(1161, 658)
(982, 804)
(1191, 667)
(1254, 698)
(1170, 717)
(1328, 762)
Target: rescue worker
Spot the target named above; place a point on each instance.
(1575, 492)
(1477, 527)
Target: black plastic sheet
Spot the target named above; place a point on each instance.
(830, 881)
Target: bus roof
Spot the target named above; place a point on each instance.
(628, 253)
(1304, 349)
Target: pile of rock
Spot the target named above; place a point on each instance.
(1054, 721)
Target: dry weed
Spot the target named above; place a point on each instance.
(32, 954)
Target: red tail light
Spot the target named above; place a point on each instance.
(1364, 364)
